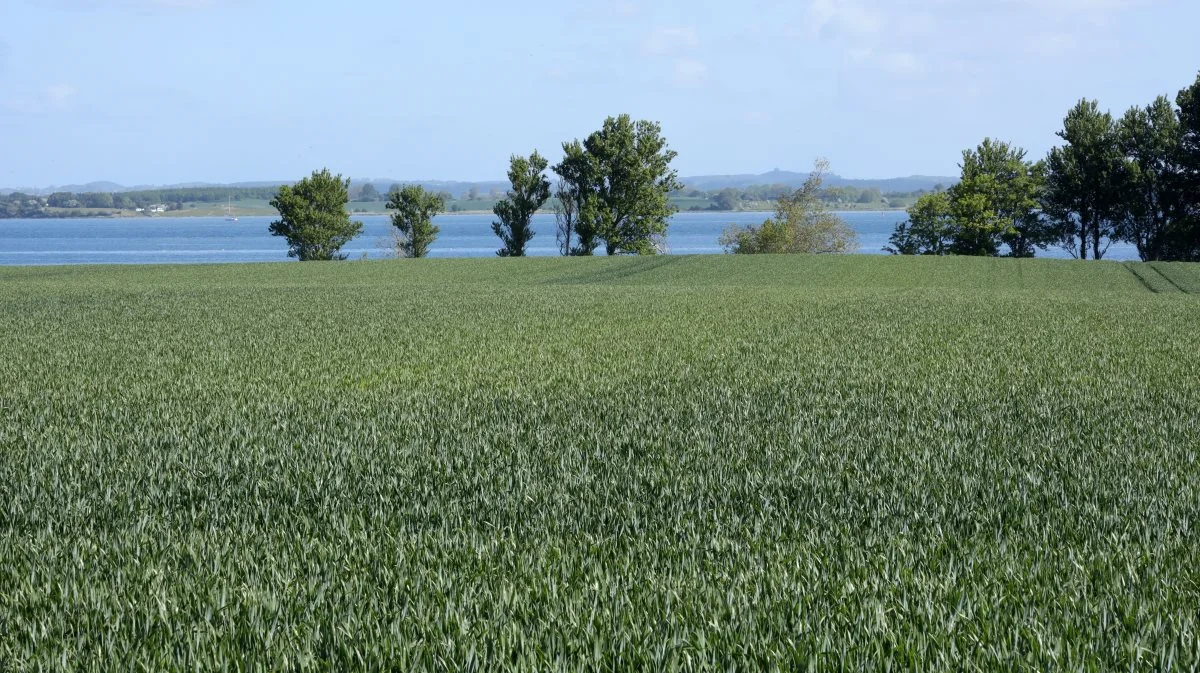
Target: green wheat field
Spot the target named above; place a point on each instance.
(674, 463)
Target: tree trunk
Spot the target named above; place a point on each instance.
(1083, 235)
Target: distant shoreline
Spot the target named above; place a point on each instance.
(193, 213)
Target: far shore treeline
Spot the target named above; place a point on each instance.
(90, 204)
(367, 196)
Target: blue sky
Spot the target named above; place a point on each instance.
(165, 91)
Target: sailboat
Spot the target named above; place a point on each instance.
(229, 216)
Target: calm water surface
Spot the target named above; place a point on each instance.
(199, 239)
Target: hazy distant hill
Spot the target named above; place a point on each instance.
(112, 187)
(454, 187)
(909, 184)
(459, 188)
(75, 189)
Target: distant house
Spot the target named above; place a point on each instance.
(157, 208)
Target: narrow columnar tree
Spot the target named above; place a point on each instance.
(577, 173)
(413, 219)
(530, 191)
(313, 217)
(566, 215)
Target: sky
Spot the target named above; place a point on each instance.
(146, 92)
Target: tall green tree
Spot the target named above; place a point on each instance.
(415, 208)
(995, 205)
(1084, 182)
(576, 174)
(368, 193)
(97, 200)
(60, 199)
(626, 178)
(1154, 213)
(930, 229)
(1188, 101)
(802, 224)
(727, 199)
(313, 217)
(530, 191)
(997, 202)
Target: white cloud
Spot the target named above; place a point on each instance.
(58, 96)
(845, 17)
(619, 10)
(624, 9)
(184, 4)
(1084, 5)
(822, 11)
(902, 63)
(670, 40)
(860, 54)
(689, 73)
(673, 49)
(757, 117)
(922, 38)
(143, 5)
(53, 98)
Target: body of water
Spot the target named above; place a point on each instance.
(162, 240)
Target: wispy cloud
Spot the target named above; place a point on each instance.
(52, 98)
(670, 40)
(860, 54)
(936, 38)
(139, 4)
(757, 117)
(184, 4)
(676, 51)
(624, 8)
(619, 10)
(838, 17)
(58, 96)
(902, 63)
(689, 73)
